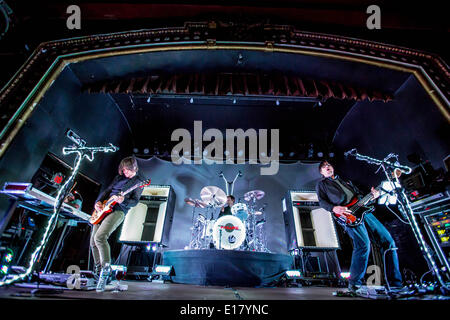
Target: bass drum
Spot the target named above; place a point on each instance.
(228, 233)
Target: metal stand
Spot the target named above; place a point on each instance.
(230, 183)
(404, 206)
(81, 152)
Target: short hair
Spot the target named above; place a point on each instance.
(232, 197)
(322, 164)
(129, 163)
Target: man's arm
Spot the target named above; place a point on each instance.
(101, 197)
(323, 198)
(132, 198)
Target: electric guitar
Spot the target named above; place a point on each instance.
(359, 207)
(108, 205)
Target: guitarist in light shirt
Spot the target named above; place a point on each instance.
(101, 251)
(334, 193)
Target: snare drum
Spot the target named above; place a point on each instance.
(229, 233)
(240, 210)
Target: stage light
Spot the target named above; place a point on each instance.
(319, 104)
(135, 150)
(281, 154)
(331, 154)
(4, 269)
(345, 275)
(148, 247)
(162, 270)
(146, 151)
(240, 153)
(320, 154)
(292, 154)
(154, 247)
(8, 257)
(293, 274)
(192, 100)
(234, 101)
(277, 102)
(148, 100)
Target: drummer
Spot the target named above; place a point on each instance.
(226, 209)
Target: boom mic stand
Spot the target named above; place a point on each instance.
(388, 168)
(81, 152)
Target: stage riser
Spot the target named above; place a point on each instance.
(226, 267)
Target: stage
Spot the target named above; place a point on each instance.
(226, 267)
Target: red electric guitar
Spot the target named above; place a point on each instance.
(108, 205)
(359, 207)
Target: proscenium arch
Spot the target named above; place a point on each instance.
(25, 110)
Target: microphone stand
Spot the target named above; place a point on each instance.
(230, 183)
(81, 153)
(388, 168)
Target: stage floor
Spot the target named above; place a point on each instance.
(143, 290)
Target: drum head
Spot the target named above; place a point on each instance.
(232, 235)
(240, 210)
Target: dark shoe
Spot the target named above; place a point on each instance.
(401, 290)
(352, 288)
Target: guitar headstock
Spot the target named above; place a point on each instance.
(145, 183)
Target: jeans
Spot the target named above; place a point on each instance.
(361, 249)
(100, 234)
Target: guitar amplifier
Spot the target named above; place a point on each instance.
(151, 219)
(306, 224)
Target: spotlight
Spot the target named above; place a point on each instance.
(293, 274)
(146, 151)
(4, 269)
(163, 270)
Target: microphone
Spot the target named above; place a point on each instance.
(350, 152)
(75, 138)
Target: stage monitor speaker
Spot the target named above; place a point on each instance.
(306, 224)
(151, 219)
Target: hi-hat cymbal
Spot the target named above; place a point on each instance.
(195, 203)
(213, 195)
(257, 194)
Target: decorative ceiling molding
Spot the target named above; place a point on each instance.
(23, 92)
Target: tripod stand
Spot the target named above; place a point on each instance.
(388, 168)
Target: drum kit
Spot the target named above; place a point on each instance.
(243, 230)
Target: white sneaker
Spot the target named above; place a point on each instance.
(103, 279)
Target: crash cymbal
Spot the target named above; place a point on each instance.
(195, 203)
(213, 195)
(257, 194)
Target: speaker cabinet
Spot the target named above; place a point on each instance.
(306, 224)
(151, 219)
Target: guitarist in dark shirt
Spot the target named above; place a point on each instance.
(101, 251)
(334, 193)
